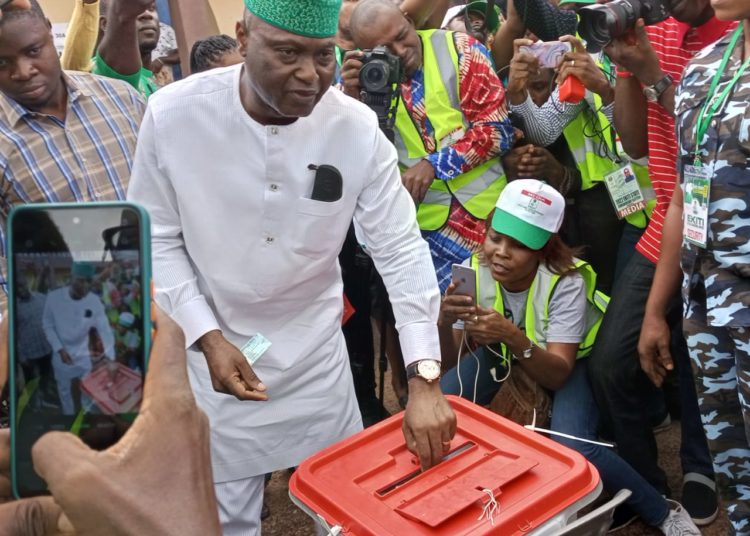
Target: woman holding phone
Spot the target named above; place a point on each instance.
(537, 309)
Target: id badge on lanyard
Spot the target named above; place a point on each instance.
(696, 188)
(624, 191)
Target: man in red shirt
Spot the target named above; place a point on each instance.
(648, 72)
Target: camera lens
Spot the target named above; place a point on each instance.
(374, 76)
(599, 24)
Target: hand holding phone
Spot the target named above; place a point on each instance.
(459, 303)
(92, 254)
(83, 480)
(549, 54)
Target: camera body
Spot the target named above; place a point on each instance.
(601, 23)
(381, 70)
(380, 79)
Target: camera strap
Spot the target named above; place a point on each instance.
(715, 102)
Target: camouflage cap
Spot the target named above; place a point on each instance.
(309, 18)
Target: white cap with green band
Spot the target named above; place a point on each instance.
(529, 211)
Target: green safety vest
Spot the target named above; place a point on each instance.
(536, 319)
(588, 150)
(478, 189)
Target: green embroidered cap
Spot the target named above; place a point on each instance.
(309, 18)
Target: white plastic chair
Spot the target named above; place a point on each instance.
(596, 522)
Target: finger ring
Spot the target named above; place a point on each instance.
(476, 318)
(573, 63)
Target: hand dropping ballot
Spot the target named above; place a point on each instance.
(255, 348)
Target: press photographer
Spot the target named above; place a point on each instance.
(451, 125)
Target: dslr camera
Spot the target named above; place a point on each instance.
(601, 23)
(380, 79)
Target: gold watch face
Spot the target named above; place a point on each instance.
(428, 369)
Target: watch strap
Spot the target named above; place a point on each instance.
(661, 86)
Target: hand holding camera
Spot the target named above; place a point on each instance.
(522, 67)
(350, 68)
(638, 57)
(581, 65)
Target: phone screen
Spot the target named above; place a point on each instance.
(79, 326)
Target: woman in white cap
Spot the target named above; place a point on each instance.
(537, 308)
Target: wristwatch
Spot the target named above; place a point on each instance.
(528, 352)
(427, 369)
(654, 92)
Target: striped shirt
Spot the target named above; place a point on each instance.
(86, 157)
(675, 44)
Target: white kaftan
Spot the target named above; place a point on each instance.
(238, 245)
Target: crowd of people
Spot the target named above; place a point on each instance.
(607, 236)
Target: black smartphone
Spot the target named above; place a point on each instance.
(80, 326)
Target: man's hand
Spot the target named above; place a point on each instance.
(157, 472)
(429, 422)
(229, 369)
(65, 356)
(653, 348)
(538, 162)
(350, 68)
(418, 179)
(522, 67)
(580, 64)
(490, 327)
(637, 56)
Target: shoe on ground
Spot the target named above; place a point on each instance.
(699, 498)
(623, 517)
(678, 522)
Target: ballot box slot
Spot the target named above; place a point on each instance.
(403, 480)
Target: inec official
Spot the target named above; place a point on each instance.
(250, 205)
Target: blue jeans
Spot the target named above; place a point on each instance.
(487, 387)
(574, 412)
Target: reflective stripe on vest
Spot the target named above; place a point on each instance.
(538, 300)
(478, 189)
(590, 143)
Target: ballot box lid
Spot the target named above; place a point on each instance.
(371, 485)
(120, 392)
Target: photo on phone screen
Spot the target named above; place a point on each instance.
(79, 325)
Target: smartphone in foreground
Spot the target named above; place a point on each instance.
(548, 53)
(80, 325)
(465, 279)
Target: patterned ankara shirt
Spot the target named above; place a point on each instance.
(87, 157)
(489, 135)
(719, 275)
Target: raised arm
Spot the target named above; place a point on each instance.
(80, 39)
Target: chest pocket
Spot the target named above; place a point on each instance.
(317, 227)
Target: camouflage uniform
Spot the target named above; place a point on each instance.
(716, 285)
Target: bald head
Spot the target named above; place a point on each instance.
(372, 12)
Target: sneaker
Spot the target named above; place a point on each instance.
(678, 522)
(699, 498)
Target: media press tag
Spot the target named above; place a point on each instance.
(696, 189)
(624, 191)
(255, 348)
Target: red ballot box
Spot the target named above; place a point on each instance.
(121, 394)
(498, 478)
